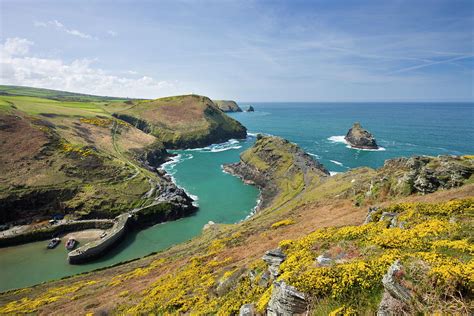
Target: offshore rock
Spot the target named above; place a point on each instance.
(286, 300)
(250, 109)
(274, 258)
(357, 137)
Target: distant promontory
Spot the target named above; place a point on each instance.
(227, 105)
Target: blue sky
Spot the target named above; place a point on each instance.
(243, 50)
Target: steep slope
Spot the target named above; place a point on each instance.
(182, 121)
(279, 168)
(227, 105)
(327, 260)
(74, 158)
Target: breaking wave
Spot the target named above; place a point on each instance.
(340, 139)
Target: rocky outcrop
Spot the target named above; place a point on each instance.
(357, 137)
(247, 310)
(422, 174)
(273, 160)
(274, 258)
(250, 109)
(396, 297)
(227, 105)
(286, 300)
(135, 121)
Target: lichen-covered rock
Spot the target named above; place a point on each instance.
(397, 297)
(423, 174)
(247, 310)
(357, 137)
(274, 258)
(391, 283)
(286, 300)
(322, 260)
(370, 213)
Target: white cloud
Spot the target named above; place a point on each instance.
(112, 33)
(58, 25)
(16, 46)
(80, 75)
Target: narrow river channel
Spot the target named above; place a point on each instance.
(222, 198)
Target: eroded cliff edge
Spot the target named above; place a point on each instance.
(279, 168)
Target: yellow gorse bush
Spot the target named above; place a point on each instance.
(284, 222)
(30, 305)
(434, 234)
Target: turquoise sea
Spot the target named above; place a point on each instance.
(402, 129)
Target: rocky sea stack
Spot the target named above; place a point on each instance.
(250, 109)
(358, 137)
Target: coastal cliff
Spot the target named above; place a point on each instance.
(227, 105)
(357, 137)
(187, 121)
(278, 168)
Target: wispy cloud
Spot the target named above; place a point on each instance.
(446, 61)
(60, 26)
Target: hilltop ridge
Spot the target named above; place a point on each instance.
(186, 121)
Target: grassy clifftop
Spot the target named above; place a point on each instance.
(182, 121)
(334, 262)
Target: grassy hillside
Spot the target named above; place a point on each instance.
(69, 157)
(66, 153)
(182, 121)
(54, 94)
(222, 269)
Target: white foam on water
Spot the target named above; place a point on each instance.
(337, 139)
(378, 149)
(340, 139)
(336, 162)
(215, 148)
(314, 155)
(333, 173)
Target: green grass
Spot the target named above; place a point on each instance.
(36, 106)
(54, 94)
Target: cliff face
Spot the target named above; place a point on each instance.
(278, 168)
(358, 137)
(183, 121)
(227, 105)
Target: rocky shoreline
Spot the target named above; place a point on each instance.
(259, 166)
